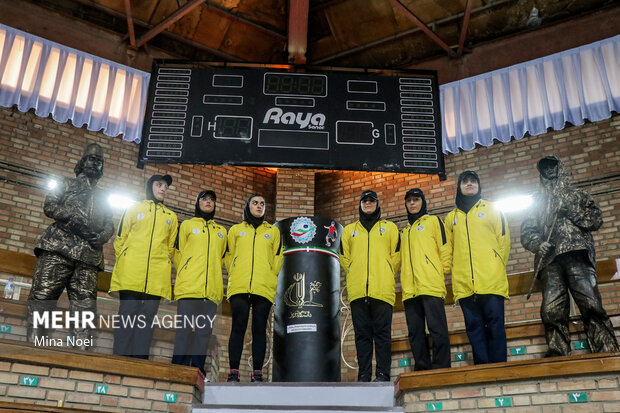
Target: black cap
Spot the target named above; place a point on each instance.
(414, 192)
(369, 194)
(206, 192)
(166, 178)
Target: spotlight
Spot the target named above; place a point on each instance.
(52, 184)
(118, 201)
(515, 203)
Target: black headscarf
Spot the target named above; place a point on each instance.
(415, 192)
(247, 215)
(369, 220)
(464, 202)
(207, 216)
(150, 196)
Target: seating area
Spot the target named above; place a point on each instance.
(60, 379)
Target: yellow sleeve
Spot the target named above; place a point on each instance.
(450, 240)
(445, 246)
(395, 248)
(230, 248)
(180, 246)
(124, 228)
(172, 235)
(345, 250)
(277, 252)
(503, 236)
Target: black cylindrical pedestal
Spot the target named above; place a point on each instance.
(306, 341)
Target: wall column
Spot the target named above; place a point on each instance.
(294, 193)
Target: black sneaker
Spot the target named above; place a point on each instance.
(233, 375)
(257, 375)
(381, 377)
(363, 378)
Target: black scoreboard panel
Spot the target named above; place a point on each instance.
(267, 117)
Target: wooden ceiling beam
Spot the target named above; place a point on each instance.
(464, 27)
(416, 29)
(298, 30)
(427, 30)
(168, 21)
(130, 28)
(233, 16)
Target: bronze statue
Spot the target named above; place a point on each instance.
(70, 251)
(559, 232)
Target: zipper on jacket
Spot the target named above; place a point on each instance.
(471, 263)
(498, 256)
(185, 265)
(410, 245)
(428, 261)
(123, 252)
(208, 248)
(148, 258)
(368, 264)
(252, 273)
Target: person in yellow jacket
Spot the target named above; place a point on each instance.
(369, 256)
(144, 248)
(201, 245)
(253, 261)
(425, 258)
(480, 239)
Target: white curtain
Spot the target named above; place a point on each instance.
(577, 84)
(71, 85)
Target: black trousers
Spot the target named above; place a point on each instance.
(429, 310)
(240, 305)
(572, 271)
(372, 323)
(484, 324)
(191, 340)
(135, 340)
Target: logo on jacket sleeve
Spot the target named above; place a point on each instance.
(196, 231)
(242, 234)
(140, 216)
(303, 230)
(420, 228)
(382, 230)
(481, 215)
(168, 222)
(219, 234)
(267, 236)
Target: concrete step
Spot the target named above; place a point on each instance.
(273, 395)
(203, 408)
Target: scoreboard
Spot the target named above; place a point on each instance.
(264, 116)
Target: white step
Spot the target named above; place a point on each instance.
(300, 394)
(292, 409)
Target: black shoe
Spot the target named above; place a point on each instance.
(233, 375)
(257, 375)
(381, 377)
(363, 378)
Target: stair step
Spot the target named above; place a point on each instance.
(203, 408)
(333, 395)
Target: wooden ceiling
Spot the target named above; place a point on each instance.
(359, 33)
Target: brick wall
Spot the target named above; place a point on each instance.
(34, 147)
(588, 393)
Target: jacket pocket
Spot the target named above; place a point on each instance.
(233, 263)
(184, 267)
(428, 261)
(390, 265)
(499, 256)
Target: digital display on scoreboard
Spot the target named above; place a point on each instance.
(261, 116)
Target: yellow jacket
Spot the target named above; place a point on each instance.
(370, 260)
(144, 248)
(199, 259)
(480, 243)
(424, 257)
(253, 260)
